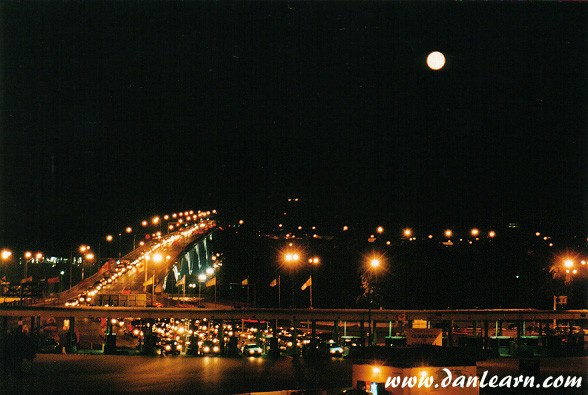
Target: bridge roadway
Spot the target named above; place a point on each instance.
(170, 246)
(357, 315)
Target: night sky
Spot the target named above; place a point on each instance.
(113, 111)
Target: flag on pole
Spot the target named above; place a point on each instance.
(148, 282)
(211, 282)
(275, 281)
(245, 282)
(53, 280)
(307, 284)
(182, 281)
(29, 279)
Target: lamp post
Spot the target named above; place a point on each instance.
(291, 259)
(565, 270)
(201, 279)
(27, 258)
(5, 255)
(147, 259)
(313, 261)
(157, 258)
(156, 221)
(373, 266)
(129, 230)
(89, 257)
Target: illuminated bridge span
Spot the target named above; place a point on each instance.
(152, 269)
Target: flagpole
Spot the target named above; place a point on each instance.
(254, 296)
(248, 304)
(311, 291)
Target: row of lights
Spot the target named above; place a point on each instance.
(448, 233)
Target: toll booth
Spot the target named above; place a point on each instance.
(395, 341)
(502, 346)
(350, 344)
(529, 346)
(472, 345)
(564, 345)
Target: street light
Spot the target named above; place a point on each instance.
(27, 258)
(448, 233)
(407, 232)
(5, 256)
(129, 231)
(291, 258)
(374, 264)
(89, 257)
(201, 279)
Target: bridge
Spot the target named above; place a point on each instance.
(153, 268)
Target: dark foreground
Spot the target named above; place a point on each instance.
(103, 374)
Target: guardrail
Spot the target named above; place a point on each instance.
(510, 315)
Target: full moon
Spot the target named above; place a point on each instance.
(436, 60)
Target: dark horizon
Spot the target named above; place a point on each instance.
(114, 112)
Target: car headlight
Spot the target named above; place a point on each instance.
(206, 349)
(167, 347)
(216, 349)
(251, 351)
(179, 347)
